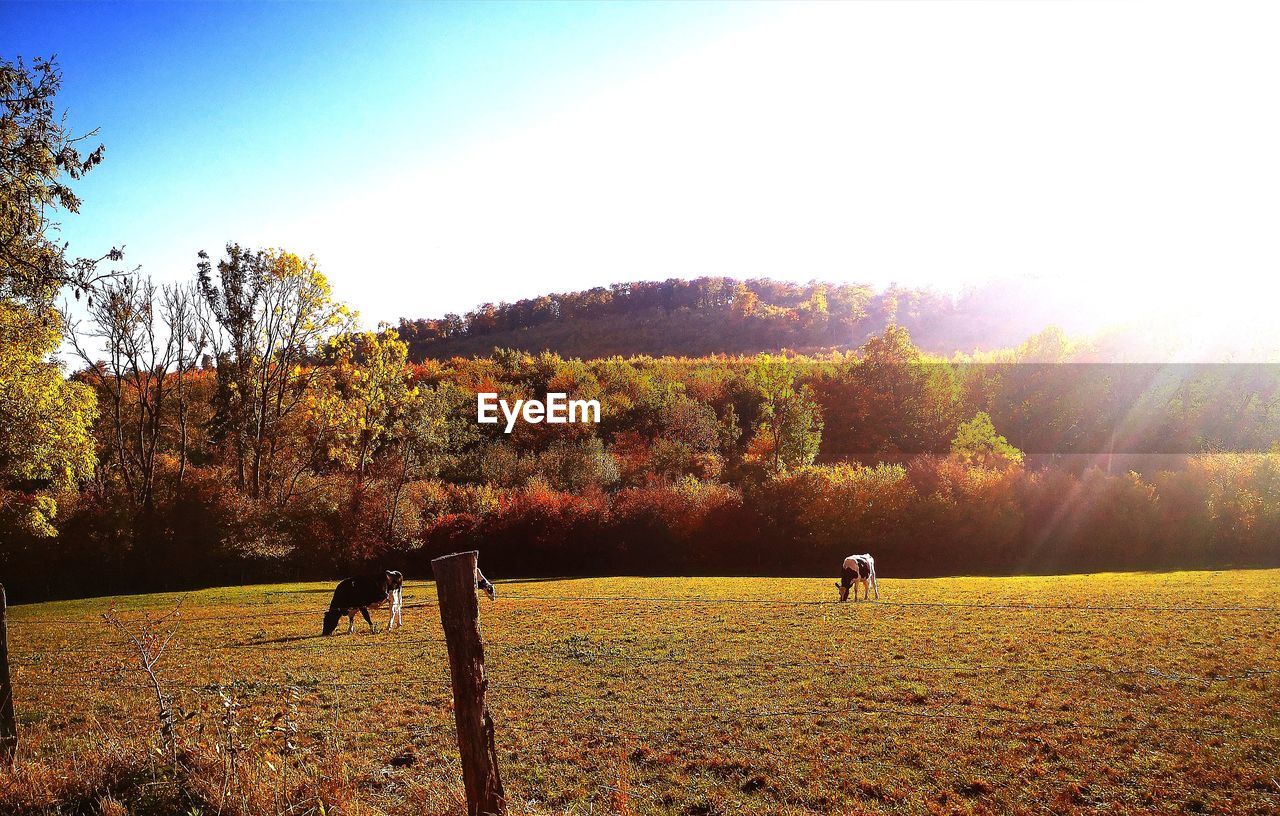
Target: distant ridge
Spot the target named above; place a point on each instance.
(713, 315)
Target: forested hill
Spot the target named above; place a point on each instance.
(710, 315)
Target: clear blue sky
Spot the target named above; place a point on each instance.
(434, 156)
(207, 108)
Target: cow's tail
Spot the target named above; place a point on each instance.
(874, 585)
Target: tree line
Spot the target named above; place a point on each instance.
(711, 315)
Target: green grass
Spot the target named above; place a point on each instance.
(657, 699)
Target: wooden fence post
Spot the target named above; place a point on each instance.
(8, 724)
(460, 614)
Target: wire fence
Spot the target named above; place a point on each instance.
(575, 653)
(708, 600)
(604, 651)
(1021, 607)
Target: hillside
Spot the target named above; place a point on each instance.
(722, 315)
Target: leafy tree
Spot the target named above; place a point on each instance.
(976, 443)
(889, 400)
(45, 443)
(44, 437)
(271, 312)
(372, 376)
(39, 156)
(575, 466)
(435, 430)
(789, 429)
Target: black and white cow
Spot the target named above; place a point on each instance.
(858, 569)
(363, 593)
(484, 583)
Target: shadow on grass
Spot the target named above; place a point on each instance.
(324, 590)
(516, 581)
(289, 639)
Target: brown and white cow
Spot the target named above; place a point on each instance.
(858, 569)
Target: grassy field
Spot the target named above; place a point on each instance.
(1110, 693)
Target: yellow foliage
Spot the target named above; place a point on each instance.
(45, 420)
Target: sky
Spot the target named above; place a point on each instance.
(435, 156)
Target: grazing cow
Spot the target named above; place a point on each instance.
(363, 592)
(858, 569)
(484, 583)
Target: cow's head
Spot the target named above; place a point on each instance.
(844, 590)
(331, 621)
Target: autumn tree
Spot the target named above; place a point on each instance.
(270, 313)
(149, 340)
(788, 429)
(44, 439)
(363, 416)
(977, 444)
(689, 443)
(185, 319)
(433, 431)
(45, 443)
(371, 373)
(39, 158)
(889, 400)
